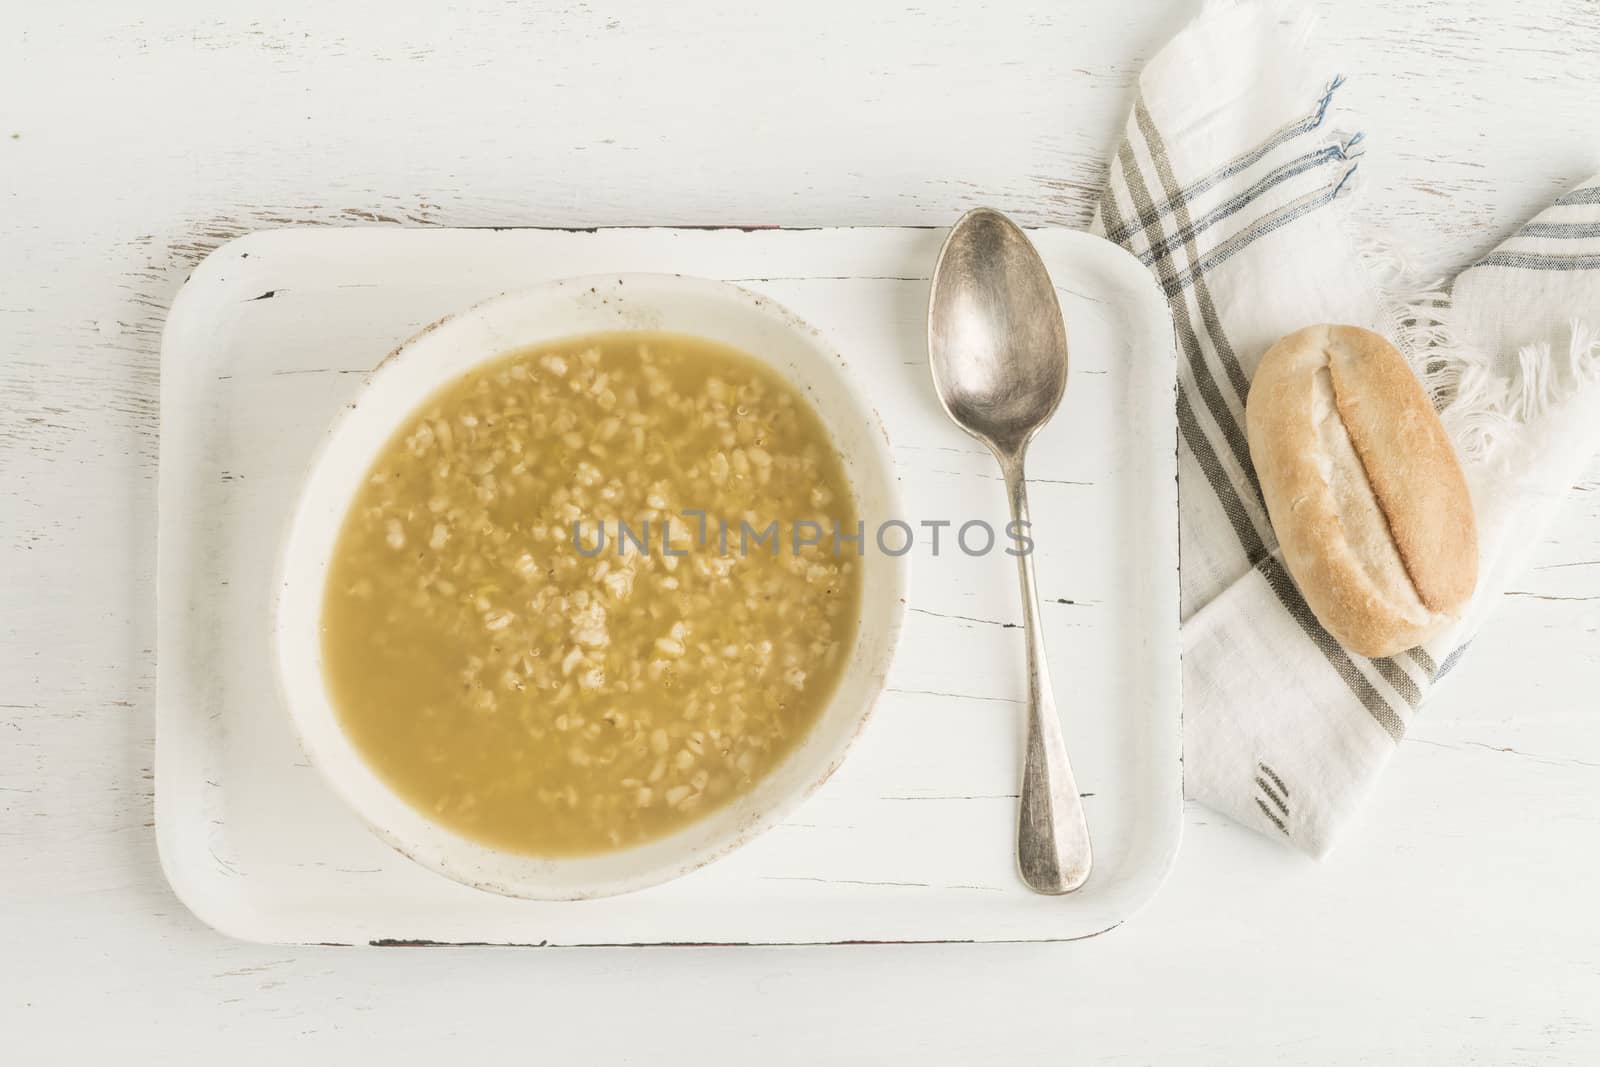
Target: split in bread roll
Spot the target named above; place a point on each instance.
(1363, 488)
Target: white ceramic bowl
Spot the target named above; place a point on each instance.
(441, 353)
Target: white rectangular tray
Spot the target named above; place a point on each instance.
(913, 839)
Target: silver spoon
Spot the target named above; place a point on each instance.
(998, 350)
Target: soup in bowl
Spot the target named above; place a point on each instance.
(582, 590)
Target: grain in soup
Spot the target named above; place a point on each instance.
(559, 696)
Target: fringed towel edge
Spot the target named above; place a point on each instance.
(1483, 398)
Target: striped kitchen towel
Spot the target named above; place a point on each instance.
(1233, 184)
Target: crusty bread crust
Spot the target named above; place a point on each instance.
(1366, 496)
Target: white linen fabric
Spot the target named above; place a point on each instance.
(1233, 184)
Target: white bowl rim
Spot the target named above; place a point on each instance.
(448, 864)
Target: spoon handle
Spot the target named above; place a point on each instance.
(1053, 851)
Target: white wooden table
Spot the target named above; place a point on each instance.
(1456, 924)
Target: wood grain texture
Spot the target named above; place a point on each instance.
(1454, 925)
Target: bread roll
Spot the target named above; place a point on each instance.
(1363, 488)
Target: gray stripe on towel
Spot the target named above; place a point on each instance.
(1110, 214)
(1292, 169)
(1588, 195)
(1140, 194)
(1278, 580)
(1396, 676)
(1208, 310)
(1244, 529)
(1561, 231)
(1268, 813)
(1533, 261)
(1267, 223)
(1225, 419)
(1261, 783)
(1144, 217)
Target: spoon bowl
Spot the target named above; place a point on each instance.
(996, 341)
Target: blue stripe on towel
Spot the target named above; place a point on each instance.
(1256, 230)
(1293, 168)
(1287, 133)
